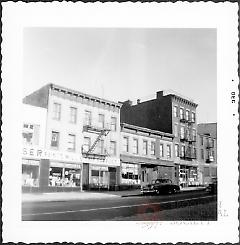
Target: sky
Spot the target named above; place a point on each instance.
(125, 63)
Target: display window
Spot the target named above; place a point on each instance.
(130, 173)
(99, 177)
(64, 177)
(30, 175)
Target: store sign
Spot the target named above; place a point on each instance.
(109, 161)
(40, 153)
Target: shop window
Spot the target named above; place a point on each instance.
(56, 111)
(161, 150)
(95, 173)
(145, 147)
(55, 139)
(113, 123)
(125, 144)
(101, 120)
(71, 142)
(30, 175)
(135, 146)
(153, 148)
(113, 148)
(73, 115)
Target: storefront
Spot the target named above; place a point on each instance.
(46, 170)
(188, 176)
(101, 174)
(130, 173)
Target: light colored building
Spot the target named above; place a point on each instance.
(145, 156)
(207, 152)
(82, 137)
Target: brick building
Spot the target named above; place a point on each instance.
(207, 152)
(175, 114)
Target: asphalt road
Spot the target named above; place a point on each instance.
(110, 209)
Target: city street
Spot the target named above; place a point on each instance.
(195, 205)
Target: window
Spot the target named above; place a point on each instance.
(100, 147)
(30, 134)
(213, 154)
(113, 148)
(88, 118)
(175, 111)
(145, 146)
(169, 151)
(181, 113)
(194, 152)
(152, 148)
(176, 150)
(202, 154)
(182, 132)
(194, 134)
(55, 139)
(56, 111)
(101, 120)
(206, 171)
(187, 115)
(201, 140)
(86, 144)
(183, 151)
(193, 117)
(113, 123)
(175, 130)
(71, 142)
(73, 115)
(212, 142)
(161, 150)
(125, 144)
(135, 146)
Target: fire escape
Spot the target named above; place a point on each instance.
(101, 132)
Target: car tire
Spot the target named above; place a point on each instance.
(157, 192)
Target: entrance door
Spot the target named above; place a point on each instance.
(112, 178)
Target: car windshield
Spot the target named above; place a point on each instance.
(162, 181)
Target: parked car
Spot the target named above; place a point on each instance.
(160, 186)
(212, 187)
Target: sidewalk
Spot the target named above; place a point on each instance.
(87, 195)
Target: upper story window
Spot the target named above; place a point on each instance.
(100, 146)
(193, 117)
(73, 115)
(113, 148)
(175, 111)
(125, 144)
(181, 113)
(212, 142)
(88, 118)
(161, 150)
(175, 130)
(202, 154)
(201, 140)
(152, 148)
(183, 151)
(56, 111)
(55, 139)
(187, 115)
(182, 132)
(86, 144)
(194, 134)
(71, 142)
(113, 123)
(176, 150)
(101, 120)
(30, 134)
(169, 154)
(145, 147)
(135, 146)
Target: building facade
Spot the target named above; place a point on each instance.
(173, 114)
(207, 152)
(82, 138)
(145, 156)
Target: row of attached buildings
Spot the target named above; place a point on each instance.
(75, 141)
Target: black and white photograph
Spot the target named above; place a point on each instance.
(122, 125)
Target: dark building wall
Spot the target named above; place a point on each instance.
(38, 98)
(153, 114)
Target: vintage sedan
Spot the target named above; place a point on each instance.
(160, 186)
(212, 187)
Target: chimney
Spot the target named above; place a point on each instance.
(138, 101)
(159, 94)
